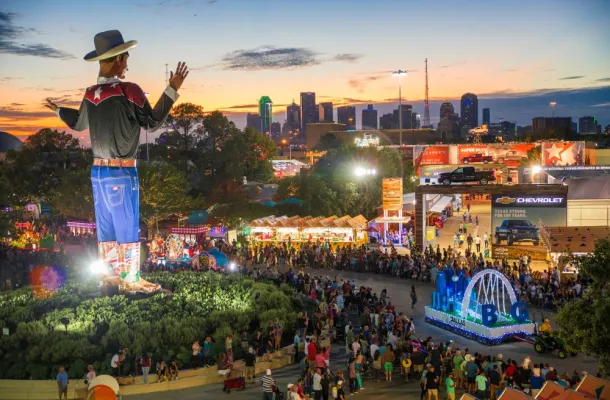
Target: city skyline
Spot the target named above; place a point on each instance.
(517, 75)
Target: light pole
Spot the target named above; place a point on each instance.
(284, 141)
(553, 104)
(399, 73)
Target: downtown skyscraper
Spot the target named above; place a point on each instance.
(265, 110)
(293, 117)
(469, 111)
(369, 118)
(347, 115)
(309, 113)
(327, 112)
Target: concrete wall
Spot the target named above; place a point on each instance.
(589, 212)
(598, 156)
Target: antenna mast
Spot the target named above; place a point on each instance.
(427, 103)
(167, 76)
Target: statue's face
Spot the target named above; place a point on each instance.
(123, 66)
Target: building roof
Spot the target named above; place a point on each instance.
(573, 239)
(588, 189)
(358, 222)
(9, 142)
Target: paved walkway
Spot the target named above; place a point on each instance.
(453, 224)
(398, 290)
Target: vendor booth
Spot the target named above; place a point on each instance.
(344, 230)
(78, 228)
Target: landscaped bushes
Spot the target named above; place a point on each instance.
(79, 326)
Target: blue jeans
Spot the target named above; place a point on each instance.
(116, 197)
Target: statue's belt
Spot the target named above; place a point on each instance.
(114, 162)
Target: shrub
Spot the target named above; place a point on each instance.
(78, 326)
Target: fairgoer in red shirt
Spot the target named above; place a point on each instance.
(321, 361)
(311, 352)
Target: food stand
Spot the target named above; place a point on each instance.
(341, 231)
(78, 228)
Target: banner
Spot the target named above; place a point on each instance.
(430, 155)
(563, 153)
(469, 150)
(391, 194)
(515, 222)
(509, 154)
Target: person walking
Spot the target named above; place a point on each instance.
(62, 383)
(431, 383)
(388, 363)
(317, 384)
(250, 362)
(325, 383)
(145, 363)
(413, 297)
(196, 358)
(477, 242)
(469, 241)
(450, 384)
(268, 383)
(481, 381)
(486, 240)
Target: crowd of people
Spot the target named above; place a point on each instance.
(385, 343)
(544, 289)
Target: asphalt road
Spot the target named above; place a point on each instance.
(398, 290)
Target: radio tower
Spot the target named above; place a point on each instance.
(426, 103)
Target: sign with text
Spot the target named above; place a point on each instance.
(515, 219)
(391, 194)
(430, 155)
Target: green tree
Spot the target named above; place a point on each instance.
(40, 165)
(331, 187)
(584, 322)
(409, 178)
(534, 157)
(162, 193)
(248, 154)
(218, 130)
(328, 142)
(74, 197)
(186, 120)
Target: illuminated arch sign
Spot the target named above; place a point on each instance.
(484, 308)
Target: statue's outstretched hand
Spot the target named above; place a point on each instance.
(50, 105)
(177, 79)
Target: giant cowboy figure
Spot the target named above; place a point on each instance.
(114, 111)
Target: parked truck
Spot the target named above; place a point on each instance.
(477, 158)
(466, 174)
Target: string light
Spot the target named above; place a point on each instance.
(487, 340)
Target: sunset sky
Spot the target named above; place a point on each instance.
(516, 55)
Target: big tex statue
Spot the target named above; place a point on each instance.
(114, 111)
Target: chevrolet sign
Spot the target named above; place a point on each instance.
(539, 200)
(530, 200)
(506, 200)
